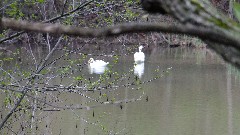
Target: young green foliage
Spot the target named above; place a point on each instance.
(236, 8)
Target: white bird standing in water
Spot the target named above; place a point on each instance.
(97, 66)
(139, 57)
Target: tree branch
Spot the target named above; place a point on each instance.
(47, 21)
(24, 89)
(223, 32)
(203, 33)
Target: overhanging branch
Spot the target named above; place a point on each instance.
(201, 32)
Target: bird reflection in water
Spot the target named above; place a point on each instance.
(139, 69)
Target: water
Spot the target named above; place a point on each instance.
(197, 93)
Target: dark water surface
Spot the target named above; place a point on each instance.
(198, 94)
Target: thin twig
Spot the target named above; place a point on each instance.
(24, 90)
(50, 20)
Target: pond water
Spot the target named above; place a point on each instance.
(178, 91)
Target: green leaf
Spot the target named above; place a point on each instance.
(41, 1)
(236, 8)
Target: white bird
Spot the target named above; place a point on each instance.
(139, 69)
(97, 63)
(97, 66)
(139, 57)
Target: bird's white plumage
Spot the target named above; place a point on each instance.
(97, 63)
(139, 56)
(97, 66)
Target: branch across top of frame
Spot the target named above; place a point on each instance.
(201, 32)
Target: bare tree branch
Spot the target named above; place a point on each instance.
(47, 21)
(202, 32)
(24, 90)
